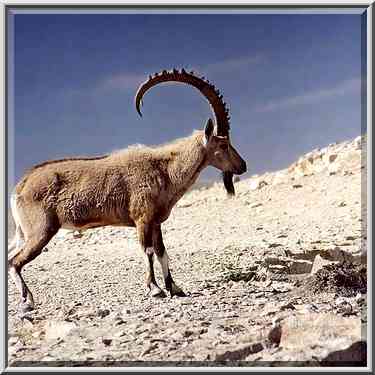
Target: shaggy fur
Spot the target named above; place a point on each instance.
(119, 188)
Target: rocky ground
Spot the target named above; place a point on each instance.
(275, 277)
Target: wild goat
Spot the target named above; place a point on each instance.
(135, 187)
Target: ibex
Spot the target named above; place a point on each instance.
(135, 187)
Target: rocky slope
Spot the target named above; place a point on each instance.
(275, 277)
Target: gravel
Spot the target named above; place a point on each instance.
(91, 288)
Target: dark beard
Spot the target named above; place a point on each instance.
(228, 182)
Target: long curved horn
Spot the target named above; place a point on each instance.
(212, 94)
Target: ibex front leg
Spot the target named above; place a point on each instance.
(162, 255)
(145, 239)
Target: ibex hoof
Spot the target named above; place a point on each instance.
(24, 308)
(157, 293)
(179, 293)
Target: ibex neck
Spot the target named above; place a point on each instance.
(188, 161)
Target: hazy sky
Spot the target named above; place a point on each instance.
(292, 82)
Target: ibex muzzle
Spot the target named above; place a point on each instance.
(221, 154)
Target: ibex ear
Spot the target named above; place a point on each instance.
(208, 130)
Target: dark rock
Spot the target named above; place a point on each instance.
(287, 306)
(273, 245)
(355, 355)
(239, 354)
(106, 341)
(102, 313)
(343, 279)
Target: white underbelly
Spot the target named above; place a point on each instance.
(70, 226)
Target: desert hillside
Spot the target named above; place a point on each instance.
(274, 276)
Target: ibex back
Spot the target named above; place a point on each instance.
(135, 187)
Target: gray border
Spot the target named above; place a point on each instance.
(4, 287)
(277, 8)
(197, 10)
(368, 119)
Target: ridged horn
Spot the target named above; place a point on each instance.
(209, 91)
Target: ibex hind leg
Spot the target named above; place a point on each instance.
(38, 234)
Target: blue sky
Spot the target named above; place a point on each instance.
(292, 82)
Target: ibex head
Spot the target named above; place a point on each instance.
(221, 153)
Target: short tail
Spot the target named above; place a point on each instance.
(15, 246)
